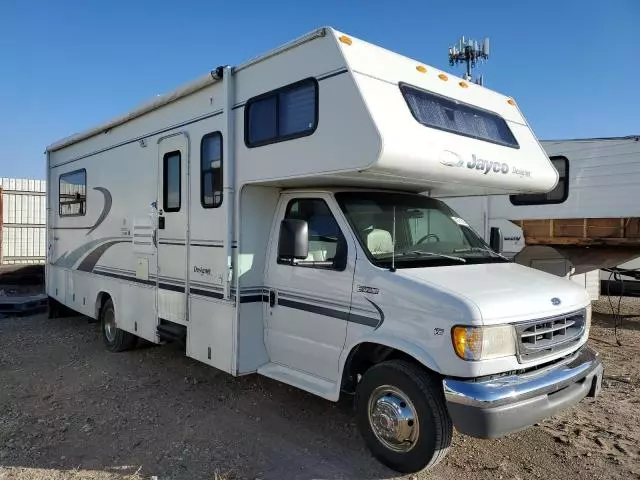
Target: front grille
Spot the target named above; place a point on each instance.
(546, 336)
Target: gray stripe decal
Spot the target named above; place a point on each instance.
(206, 293)
(124, 277)
(173, 288)
(308, 307)
(87, 264)
(379, 311)
(106, 208)
(329, 312)
(308, 297)
(254, 298)
(68, 259)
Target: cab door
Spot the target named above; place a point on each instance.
(310, 300)
(171, 227)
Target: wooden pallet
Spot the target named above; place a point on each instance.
(584, 232)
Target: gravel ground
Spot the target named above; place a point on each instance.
(71, 410)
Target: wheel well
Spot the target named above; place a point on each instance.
(101, 299)
(364, 356)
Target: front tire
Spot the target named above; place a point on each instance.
(115, 339)
(402, 416)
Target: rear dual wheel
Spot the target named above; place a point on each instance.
(115, 339)
(402, 416)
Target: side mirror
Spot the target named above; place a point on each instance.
(294, 240)
(495, 240)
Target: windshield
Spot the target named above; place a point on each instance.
(427, 232)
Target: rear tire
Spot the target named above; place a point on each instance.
(115, 339)
(402, 416)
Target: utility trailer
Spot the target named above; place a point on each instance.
(272, 217)
(589, 221)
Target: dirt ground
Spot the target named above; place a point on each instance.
(71, 410)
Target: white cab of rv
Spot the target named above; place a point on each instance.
(273, 217)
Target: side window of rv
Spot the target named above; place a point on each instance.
(558, 195)
(172, 189)
(325, 237)
(284, 114)
(211, 170)
(72, 193)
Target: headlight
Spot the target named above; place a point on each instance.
(484, 343)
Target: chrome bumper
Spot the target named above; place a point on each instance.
(502, 405)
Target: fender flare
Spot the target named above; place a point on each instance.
(405, 346)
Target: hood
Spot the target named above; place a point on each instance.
(504, 292)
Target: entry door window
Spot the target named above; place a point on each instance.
(172, 191)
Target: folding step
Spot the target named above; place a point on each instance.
(172, 332)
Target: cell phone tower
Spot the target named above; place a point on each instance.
(469, 52)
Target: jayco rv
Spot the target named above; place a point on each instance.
(269, 216)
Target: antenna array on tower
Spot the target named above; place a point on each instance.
(469, 52)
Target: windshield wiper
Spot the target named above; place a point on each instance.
(481, 249)
(432, 254)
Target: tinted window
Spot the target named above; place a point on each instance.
(284, 114)
(297, 110)
(453, 116)
(73, 193)
(172, 188)
(263, 123)
(324, 233)
(211, 170)
(558, 195)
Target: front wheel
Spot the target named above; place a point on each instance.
(401, 414)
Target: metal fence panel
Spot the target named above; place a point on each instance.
(23, 221)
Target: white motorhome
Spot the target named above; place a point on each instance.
(268, 215)
(589, 221)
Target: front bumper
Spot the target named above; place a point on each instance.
(502, 405)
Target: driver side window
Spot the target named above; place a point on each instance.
(326, 241)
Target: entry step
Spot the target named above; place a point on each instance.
(172, 332)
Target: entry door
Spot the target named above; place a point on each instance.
(171, 227)
(309, 301)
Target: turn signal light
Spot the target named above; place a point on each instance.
(483, 343)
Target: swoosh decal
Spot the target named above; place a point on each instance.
(106, 208)
(69, 259)
(379, 311)
(90, 260)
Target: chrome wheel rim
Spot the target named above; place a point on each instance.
(110, 326)
(393, 418)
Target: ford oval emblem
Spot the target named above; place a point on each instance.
(555, 301)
